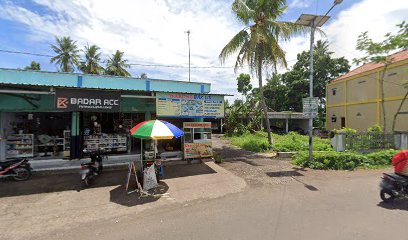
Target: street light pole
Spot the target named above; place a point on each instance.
(313, 21)
(312, 25)
(188, 37)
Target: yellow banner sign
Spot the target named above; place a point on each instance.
(197, 150)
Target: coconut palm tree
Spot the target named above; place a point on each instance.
(143, 76)
(34, 66)
(67, 54)
(92, 58)
(257, 44)
(116, 65)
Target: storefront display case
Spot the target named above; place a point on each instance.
(20, 146)
(197, 140)
(67, 142)
(108, 142)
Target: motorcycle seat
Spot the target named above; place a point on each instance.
(398, 177)
(10, 161)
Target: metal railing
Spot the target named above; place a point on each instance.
(368, 141)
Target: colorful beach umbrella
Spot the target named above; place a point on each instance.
(156, 129)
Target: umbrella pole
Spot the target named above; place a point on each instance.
(141, 153)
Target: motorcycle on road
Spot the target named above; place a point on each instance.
(18, 169)
(91, 169)
(392, 186)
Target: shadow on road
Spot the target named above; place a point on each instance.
(58, 182)
(120, 196)
(293, 174)
(397, 204)
(284, 174)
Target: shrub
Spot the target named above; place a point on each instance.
(256, 142)
(291, 142)
(378, 159)
(375, 129)
(345, 130)
(344, 160)
(329, 160)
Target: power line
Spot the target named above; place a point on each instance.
(26, 53)
(135, 64)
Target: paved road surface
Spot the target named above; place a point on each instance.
(279, 202)
(347, 208)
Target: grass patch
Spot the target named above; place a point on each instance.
(345, 160)
(291, 142)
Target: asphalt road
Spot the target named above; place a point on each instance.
(330, 207)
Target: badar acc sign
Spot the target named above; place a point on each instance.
(87, 100)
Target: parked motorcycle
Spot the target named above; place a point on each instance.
(18, 169)
(91, 169)
(392, 186)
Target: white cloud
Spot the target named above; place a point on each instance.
(300, 4)
(150, 32)
(377, 17)
(153, 32)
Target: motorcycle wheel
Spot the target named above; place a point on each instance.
(386, 195)
(23, 174)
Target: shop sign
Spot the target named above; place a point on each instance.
(189, 105)
(87, 100)
(197, 150)
(197, 125)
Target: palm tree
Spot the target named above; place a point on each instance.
(67, 54)
(143, 76)
(90, 63)
(257, 44)
(116, 65)
(34, 66)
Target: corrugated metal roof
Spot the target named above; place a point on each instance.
(73, 80)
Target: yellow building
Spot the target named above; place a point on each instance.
(354, 99)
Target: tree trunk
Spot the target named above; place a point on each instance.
(265, 110)
(382, 99)
(399, 109)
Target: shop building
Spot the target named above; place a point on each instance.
(48, 115)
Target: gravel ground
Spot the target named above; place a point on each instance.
(265, 168)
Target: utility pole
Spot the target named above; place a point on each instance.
(188, 38)
(313, 21)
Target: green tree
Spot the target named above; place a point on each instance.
(244, 85)
(257, 43)
(143, 76)
(116, 65)
(34, 66)
(295, 83)
(90, 62)
(276, 94)
(67, 54)
(379, 52)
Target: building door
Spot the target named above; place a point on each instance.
(343, 122)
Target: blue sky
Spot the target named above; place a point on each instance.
(152, 32)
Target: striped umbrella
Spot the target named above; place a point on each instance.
(156, 129)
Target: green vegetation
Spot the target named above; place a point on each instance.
(285, 91)
(344, 160)
(258, 44)
(34, 66)
(290, 142)
(375, 129)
